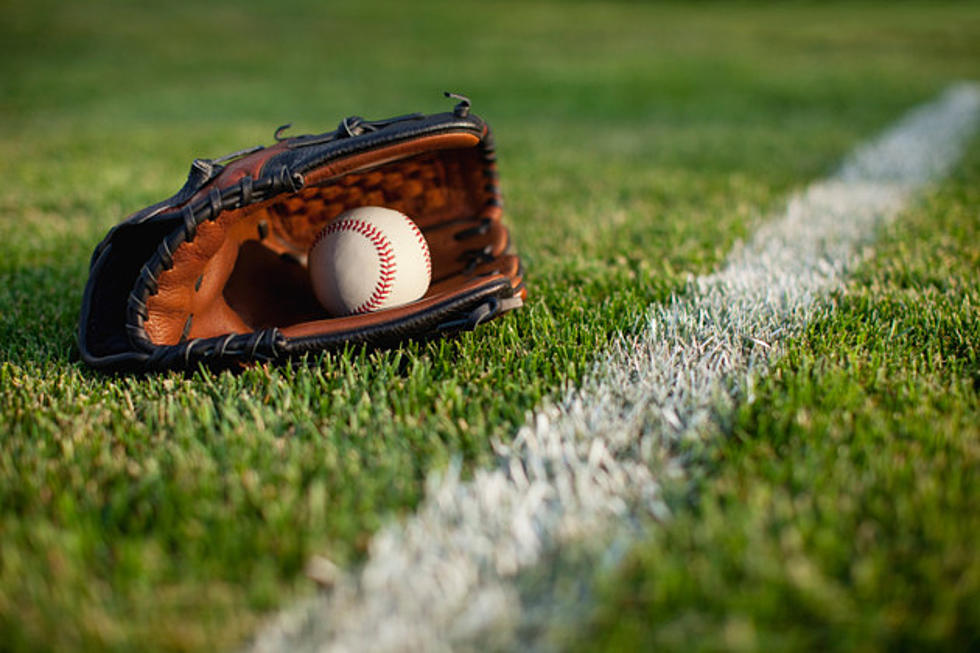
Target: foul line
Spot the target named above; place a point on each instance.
(586, 468)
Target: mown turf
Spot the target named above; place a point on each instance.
(841, 512)
(636, 144)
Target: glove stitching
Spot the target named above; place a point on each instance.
(246, 190)
(190, 224)
(215, 200)
(270, 344)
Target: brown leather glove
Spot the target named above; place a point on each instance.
(217, 273)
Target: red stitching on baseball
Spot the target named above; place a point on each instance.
(386, 257)
(425, 245)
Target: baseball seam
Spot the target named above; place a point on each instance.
(386, 259)
(423, 243)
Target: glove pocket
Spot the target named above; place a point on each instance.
(243, 268)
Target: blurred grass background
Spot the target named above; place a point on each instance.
(637, 142)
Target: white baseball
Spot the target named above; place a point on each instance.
(367, 259)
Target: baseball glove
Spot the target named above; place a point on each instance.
(217, 273)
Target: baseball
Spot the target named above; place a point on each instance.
(368, 259)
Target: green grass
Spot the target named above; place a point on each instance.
(841, 512)
(637, 143)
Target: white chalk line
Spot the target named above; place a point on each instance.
(585, 470)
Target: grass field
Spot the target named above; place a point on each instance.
(637, 144)
(841, 510)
